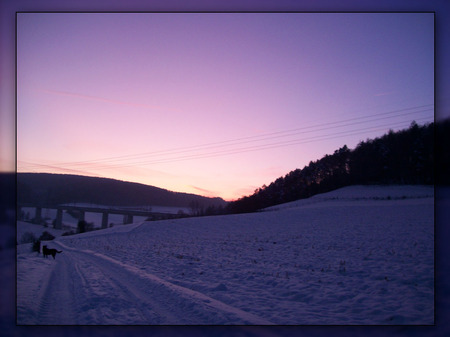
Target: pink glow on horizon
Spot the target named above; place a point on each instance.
(216, 104)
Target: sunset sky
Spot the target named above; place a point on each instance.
(216, 104)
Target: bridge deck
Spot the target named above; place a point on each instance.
(86, 209)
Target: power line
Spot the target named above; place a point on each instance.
(33, 166)
(256, 138)
(205, 155)
(262, 147)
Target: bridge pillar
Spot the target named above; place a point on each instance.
(59, 215)
(38, 215)
(127, 219)
(105, 220)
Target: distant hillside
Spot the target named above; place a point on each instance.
(403, 157)
(45, 188)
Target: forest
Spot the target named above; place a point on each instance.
(402, 157)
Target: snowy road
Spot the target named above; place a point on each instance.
(95, 289)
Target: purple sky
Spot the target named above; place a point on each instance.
(215, 104)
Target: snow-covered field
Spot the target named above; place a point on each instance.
(358, 255)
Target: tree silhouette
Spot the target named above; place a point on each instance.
(403, 157)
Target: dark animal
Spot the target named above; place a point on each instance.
(50, 251)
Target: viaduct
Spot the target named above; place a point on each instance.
(81, 210)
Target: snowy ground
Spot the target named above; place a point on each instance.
(359, 255)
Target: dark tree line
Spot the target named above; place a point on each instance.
(403, 157)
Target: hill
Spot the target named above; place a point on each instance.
(403, 157)
(53, 189)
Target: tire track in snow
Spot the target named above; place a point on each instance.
(155, 301)
(57, 297)
(79, 290)
(114, 299)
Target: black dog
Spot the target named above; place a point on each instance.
(47, 251)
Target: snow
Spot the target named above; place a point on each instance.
(361, 192)
(36, 230)
(358, 255)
